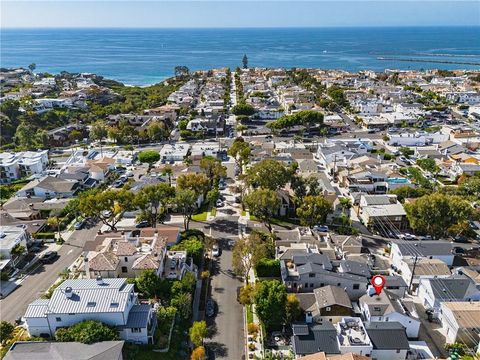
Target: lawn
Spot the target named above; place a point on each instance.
(249, 314)
(278, 221)
(200, 217)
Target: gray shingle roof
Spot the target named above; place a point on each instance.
(319, 338)
(451, 288)
(332, 295)
(29, 350)
(424, 248)
(355, 267)
(389, 335)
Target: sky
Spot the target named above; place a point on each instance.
(231, 13)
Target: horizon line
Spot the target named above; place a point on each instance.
(232, 27)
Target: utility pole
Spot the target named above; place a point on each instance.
(413, 273)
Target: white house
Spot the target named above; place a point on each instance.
(49, 187)
(386, 307)
(10, 237)
(389, 340)
(14, 166)
(461, 322)
(110, 301)
(176, 152)
(430, 249)
(434, 292)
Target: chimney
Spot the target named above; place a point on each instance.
(68, 292)
(308, 317)
(99, 280)
(87, 268)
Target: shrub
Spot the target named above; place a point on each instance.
(252, 329)
(268, 268)
(87, 332)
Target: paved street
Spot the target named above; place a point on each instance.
(34, 285)
(226, 328)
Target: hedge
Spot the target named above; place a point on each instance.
(268, 268)
(47, 235)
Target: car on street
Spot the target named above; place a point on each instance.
(49, 257)
(117, 184)
(216, 250)
(408, 236)
(142, 224)
(321, 228)
(35, 249)
(210, 308)
(219, 203)
(79, 225)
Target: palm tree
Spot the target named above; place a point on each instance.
(167, 170)
(345, 204)
(54, 222)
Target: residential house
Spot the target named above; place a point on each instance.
(396, 286)
(310, 338)
(328, 303)
(412, 271)
(110, 301)
(10, 238)
(306, 273)
(402, 250)
(49, 187)
(43, 350)
(389, 340)
(383, 212)
(352, 337)
(14, 166)
(436, 291)
(387, 307)
(461, 322)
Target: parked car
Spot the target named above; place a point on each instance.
(79, 225)
(460, 239)
(210, 308)
(117, 184)
(321, 228)
(216, 250)
(219, 203)
(238, 199)
(35, 249)
(473, 225)
(142, 224)
(49, 257)
(458, 250)
(408, 236)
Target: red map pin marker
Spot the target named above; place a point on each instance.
(378, 282)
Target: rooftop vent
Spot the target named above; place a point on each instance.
(68, 292)
(99, 280)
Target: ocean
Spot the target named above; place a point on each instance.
(147, 56)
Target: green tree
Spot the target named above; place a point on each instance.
(243, 109)
(25, 136)
(75, 135)
(428, 164)
(268, 174)
(109, 206)
(271, 301)
(98, 131)
(314, 210)
(345, 204)
(152, 198)
(6, 331)
(181, 71)
(193, 246)
(241, 152)
(148, 156)
(87, 332)
(247, 294)
(183, 303)
(18, 250)
(168, 171)
(157, 131)
(247, 252)
(198, 332)
(186, 202)
(148, 283)
(293, 311)
(212, 196)
(263, 204)
(434, 214)
(245, 61)
(405, 192)
(306, 118)
(213, 169)
(198, 183)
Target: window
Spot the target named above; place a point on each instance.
(339, 284)
(376, 308)
(311, 275)
(126, 259)
(136, 330)
(58, 319)
(311, 285)
(328, 308)
(124, 269)
(398, 351)
(91, 304)
(114, 304)
(356, 286)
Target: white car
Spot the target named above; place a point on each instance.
(215, 250)
(219, 203)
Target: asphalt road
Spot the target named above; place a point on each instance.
(35, 284)
(226, 330)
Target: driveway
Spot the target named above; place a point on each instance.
(35, 284)
(226, 330)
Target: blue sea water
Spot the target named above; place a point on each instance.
(146, 56)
